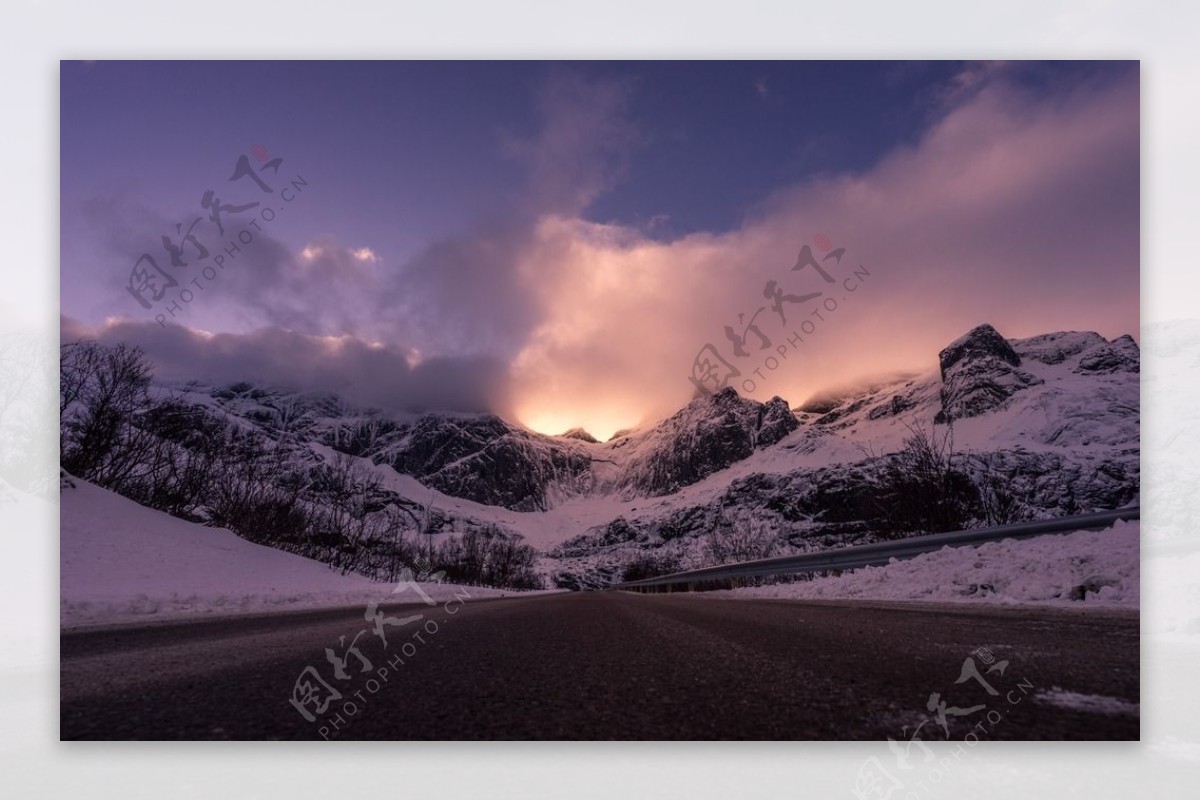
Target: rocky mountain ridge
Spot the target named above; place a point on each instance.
(1055, 415)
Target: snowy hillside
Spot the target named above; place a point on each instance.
(123, 562)
(1053, 420)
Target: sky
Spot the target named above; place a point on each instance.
(565, 244)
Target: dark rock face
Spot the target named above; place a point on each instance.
(707, 435)
(980, 372)
(1056, 348)
(897, 405)
(483, 459)
(513, 472)
(1093, 354)
(981, 342)
(436, 441)
(775, 421)
(1120, 355)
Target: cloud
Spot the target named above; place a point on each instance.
(1018, 206)
(583, 143)
(473, 293)
(464, 302)
(367, 373)
(324, 288)
(329, 289)
(1015, 208)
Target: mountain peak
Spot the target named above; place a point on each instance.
(579, 434)
(707, 435)
(724, 397)
(981, 341)
(980, 371)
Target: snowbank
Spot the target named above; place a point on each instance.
(122, 562)
(1085, 567)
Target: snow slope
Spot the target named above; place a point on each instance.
(122, 562)
(1092, 568)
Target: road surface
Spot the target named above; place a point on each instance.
(611, 665)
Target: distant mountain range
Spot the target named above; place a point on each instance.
(1056, 416)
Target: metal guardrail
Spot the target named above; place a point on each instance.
(880, 553)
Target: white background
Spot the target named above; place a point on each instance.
(36, 35)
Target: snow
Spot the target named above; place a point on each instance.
(1038, 571)
(122, 562)
(539, 529)
(1086, 702)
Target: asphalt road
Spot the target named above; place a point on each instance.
(614, 666)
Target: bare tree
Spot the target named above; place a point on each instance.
(103, 392)
(740, 540)
(920, 489)
(78, 364)
(353, 519)
(998, 501)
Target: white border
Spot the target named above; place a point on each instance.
(34, 763)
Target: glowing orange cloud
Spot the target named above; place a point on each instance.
(981, 221)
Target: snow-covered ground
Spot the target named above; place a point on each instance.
(122, 562)
(1047, 570)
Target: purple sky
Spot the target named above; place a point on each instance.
(556, 242)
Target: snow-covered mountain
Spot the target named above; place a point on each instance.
(1055, 417)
